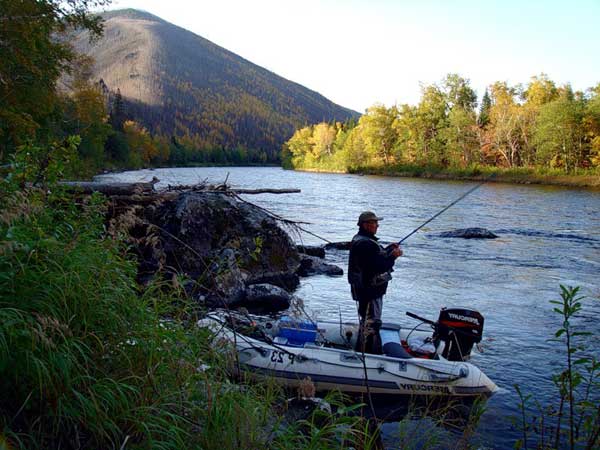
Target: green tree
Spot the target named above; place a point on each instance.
(559, 133)
(32, 61)
(458, 92)
(592, 125)
(538, 92)
(117, 112)
(409, 142)
(377, 126)
(461, 135)
(354, 150)
(117, 149)
(484, 111)
(431, 120)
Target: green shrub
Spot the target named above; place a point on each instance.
(84, 358)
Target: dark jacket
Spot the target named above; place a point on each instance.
(367, 260)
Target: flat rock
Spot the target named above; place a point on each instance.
(469, 233)
(339, 245)
(311, 265)
(265, 298)
(312, 250)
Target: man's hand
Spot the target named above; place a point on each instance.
(395, 250)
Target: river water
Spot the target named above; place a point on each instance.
(547, 236)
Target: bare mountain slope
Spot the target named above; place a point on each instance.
(179, 83)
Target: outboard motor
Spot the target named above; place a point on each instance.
(459, 329)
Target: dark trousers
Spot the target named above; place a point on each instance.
(369, 340)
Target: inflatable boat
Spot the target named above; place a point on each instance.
(415, 362)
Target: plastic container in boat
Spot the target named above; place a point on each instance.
(297, 332)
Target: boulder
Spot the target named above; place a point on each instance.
(286, 280)
(224, 244)
(311, 265)
(229, 280)
(312, 250)
(469, 233)
(265, 298)
(339, 245)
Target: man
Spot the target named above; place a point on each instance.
(369, 271)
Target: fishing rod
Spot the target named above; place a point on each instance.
(443, 210)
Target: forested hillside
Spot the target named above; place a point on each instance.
(175, 83)
(539, 126)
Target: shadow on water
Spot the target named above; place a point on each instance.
(453, 412)
(548, 235)
(433, 423)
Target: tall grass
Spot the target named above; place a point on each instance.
(84, 360)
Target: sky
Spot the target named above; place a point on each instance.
(361, 52)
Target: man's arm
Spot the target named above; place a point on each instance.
(375, 261)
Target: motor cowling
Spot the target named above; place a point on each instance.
(460, 329)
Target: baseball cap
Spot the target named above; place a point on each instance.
(367, 216)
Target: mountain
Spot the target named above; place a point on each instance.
(175, 82)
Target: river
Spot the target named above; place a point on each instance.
(547, 236)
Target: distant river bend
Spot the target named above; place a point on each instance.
(547, 236)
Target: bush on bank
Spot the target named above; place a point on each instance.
(84, 359)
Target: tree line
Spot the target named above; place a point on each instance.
(537, 125)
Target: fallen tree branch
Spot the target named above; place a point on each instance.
(87, 187)
(265, 191)
(294, 224)
(223, 188)
(144, 199)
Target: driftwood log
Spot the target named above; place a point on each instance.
(87, 187)
(147, 188)
(266, 191)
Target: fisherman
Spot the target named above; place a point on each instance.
(369, 271)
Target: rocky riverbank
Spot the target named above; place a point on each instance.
(229, 251)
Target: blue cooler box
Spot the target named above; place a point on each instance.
(297, 332)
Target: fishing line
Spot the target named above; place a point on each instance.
(443, 210)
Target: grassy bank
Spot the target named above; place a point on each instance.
(522, 175)
(555, 177)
